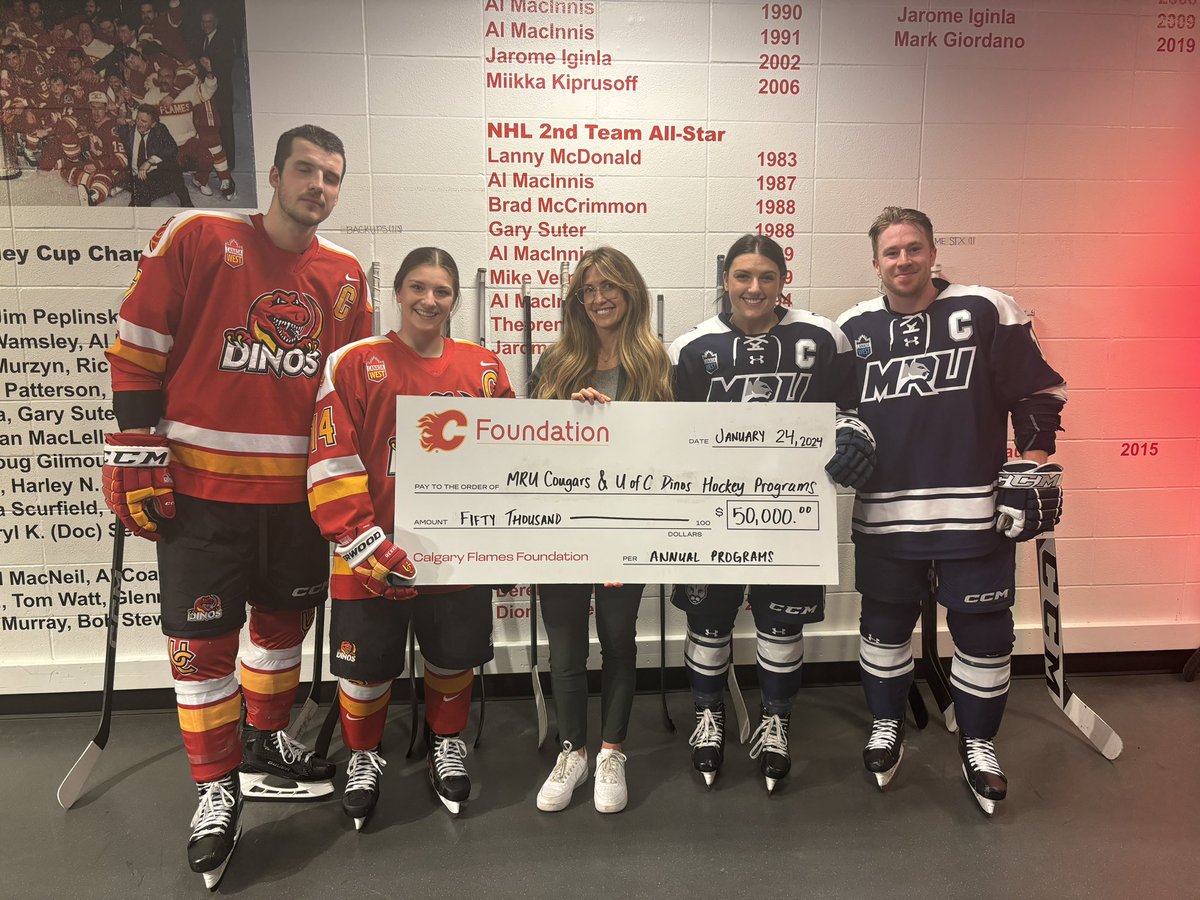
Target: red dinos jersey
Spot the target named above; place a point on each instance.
(234, 333)
(351, 468)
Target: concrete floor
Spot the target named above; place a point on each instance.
(1075, 825)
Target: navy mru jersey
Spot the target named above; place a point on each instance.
(936, 388)
(803, 358)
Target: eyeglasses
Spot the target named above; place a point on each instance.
(607, 290)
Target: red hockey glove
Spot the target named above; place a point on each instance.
(1029, 500)
(853, 458)
(382, 568)
(137, 483)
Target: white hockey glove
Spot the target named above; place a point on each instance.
(1029, 499)
(853, 458)
(380, 566)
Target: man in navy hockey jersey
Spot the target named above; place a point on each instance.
(941, 369)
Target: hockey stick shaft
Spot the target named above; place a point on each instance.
(72, 786)
(739, 701)
(939, 684)
(1095, 729)
(668, 722)
(308, 712)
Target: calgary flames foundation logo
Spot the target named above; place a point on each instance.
(205, 609)
(433, 430)
(281, 336)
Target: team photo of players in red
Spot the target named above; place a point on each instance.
(248, 502)
(137, 102)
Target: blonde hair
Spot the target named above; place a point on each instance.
(567, 365)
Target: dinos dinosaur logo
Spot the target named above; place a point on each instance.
(205, 609)
(281, 336)
(433, 430)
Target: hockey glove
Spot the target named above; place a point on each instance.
(380, 566)
(1029, 500)
(853, 458)
(137, 482)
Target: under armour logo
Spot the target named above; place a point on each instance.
(779, 631)
(757, 360)
(711, 632)
(912, 341)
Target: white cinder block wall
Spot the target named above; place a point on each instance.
(1060, 166)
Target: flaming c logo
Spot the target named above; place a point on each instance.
(433, 430)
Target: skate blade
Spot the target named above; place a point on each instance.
(212, 879)
(262, 786)
(771, 782)
(709, 778)
(455, 806)
(986, 804)
(359, 823)
(884, 778)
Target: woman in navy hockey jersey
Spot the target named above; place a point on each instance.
(761, 351)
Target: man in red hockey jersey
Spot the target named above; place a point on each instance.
(221, 340)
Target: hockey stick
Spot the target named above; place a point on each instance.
(1094, 728)
(935, 673)
(668, 723)
(539, 699)
(739, 702)
(916, 703)
(72, 786)
(309, 710)
(414, 704)
(325, 736)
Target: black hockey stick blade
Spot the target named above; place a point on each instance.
(308, 711)
(1191, 667)
(325, 736)
(414, 703)
(668, 722)
(72, 786)
(1098, 732)
(935, 674)
(916, 703)
(482, 708)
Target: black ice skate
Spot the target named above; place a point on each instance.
(278, 767)
(884, 750)
(362, 785)
(708, 741)
(447, 773)
(216, 827)
(982, 771)
(769, 745)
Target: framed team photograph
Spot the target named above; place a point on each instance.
(124, 103)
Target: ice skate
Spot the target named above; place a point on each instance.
(362, 785)
(278, 767)
(982, 772)
(447, 773)
(229, 189)
(570, 770)
(769, 745)
(708, 742)
(884, 750)
(216, 827)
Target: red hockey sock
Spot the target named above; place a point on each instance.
(447, 699)
(271, 667)
(206, 696)
(364, 712)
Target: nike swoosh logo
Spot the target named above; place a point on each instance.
(351, 718)
(487, 365)
(348, 278)
(446, 699)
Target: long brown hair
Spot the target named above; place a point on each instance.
(568, 364)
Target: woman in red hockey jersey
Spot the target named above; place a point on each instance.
(351, 491)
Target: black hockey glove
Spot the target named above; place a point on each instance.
(1029, 499)
(853, 458)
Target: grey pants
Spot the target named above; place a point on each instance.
(565, 617)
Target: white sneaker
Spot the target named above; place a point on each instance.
(568, 773)
(611, 795)
(202, 188)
